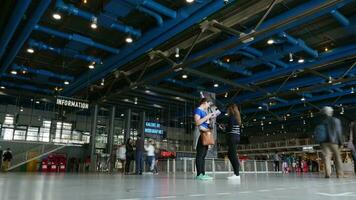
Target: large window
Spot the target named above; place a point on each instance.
(20, 133)
(63, 132)
(8, 127)
(45, 131)
(32, 134)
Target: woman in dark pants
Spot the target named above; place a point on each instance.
(233, 138)
(201, 119)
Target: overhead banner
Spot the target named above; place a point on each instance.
(71, 102)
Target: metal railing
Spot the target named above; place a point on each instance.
(187, 165)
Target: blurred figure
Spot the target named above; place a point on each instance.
(276, 159)
(352, 142)
(121, 156)
(129, 154)
(157, 154)
(332, 142)
(150, 155)
(7, 157)
(140, 147)
(87, 164)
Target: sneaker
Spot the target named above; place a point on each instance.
(200, 177)
(206, 177)
(233, 177)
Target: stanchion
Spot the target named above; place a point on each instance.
(167, 166)
(174, 166)
(255, 165)
(185, 165)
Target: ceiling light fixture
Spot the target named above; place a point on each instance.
(24, 71)
(184, 76)
(303, 99)
(301, 60)
(2, 87)
(330, 79)
(326, 49)
(30, 50)
(102, 82)
(352, 90)
(177, 53)
(129, 39)
(91, 66)
(290, 57)
(227, 59)
(270, 41)
(21, 109)
(66, 82)
(94, 24)
(216, 85)
(260, 107)
(56, 16)
(37, 102)
(13, 72)
(189, 1)
(226, 94)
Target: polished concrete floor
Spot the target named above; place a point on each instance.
(21, 186)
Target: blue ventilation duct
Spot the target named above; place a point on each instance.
(27, 87)
(159, 8)
(340, 18)
(25, 33)
(71, 9)
(153, 14)
(24, 78)
(12, 24)
(232, 68)
(42, 72)
(65, 52)
(300, 43)
(77, 38)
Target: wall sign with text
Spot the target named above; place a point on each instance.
(76, 103)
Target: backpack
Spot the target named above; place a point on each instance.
(321, 133)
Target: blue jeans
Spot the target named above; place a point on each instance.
(139, 162)
(150, 160)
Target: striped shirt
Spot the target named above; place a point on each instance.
(233, 127)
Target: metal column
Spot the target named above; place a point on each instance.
(92, 139)
(142, 124)
(127, 124)
(111, 137)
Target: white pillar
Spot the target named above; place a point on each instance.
(185, 165)
(255, 165)
(167, 166)
(213, 163)
(174, 165)
(266, 163)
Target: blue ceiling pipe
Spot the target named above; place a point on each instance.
(300, 43)
(159, 8)
(340, 18)
(290, 85)
(298, 101)
(232, 68)
(151, 13)
(243, 62)
(31, 79)
(25, 33)
(42, 72)
(17, 14)
(293, 12)
(27, 87)
(186, 17)
(77, 38)
(71, 9)
(65, 52)
(184, 84)
(261, 55)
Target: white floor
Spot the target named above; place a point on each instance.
(21, 186)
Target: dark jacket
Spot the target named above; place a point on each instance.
(334, 130)
(7, 156)
(129, 152)
(140, 145)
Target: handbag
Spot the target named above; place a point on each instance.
(207, 138)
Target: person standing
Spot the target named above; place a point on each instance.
(150, 155)
(276, 162)
(352, 142)
(332, 142)
(129, 155)
(139, 155)
(201, 119)
(121, 156)
(7, 157)
(233, 138)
